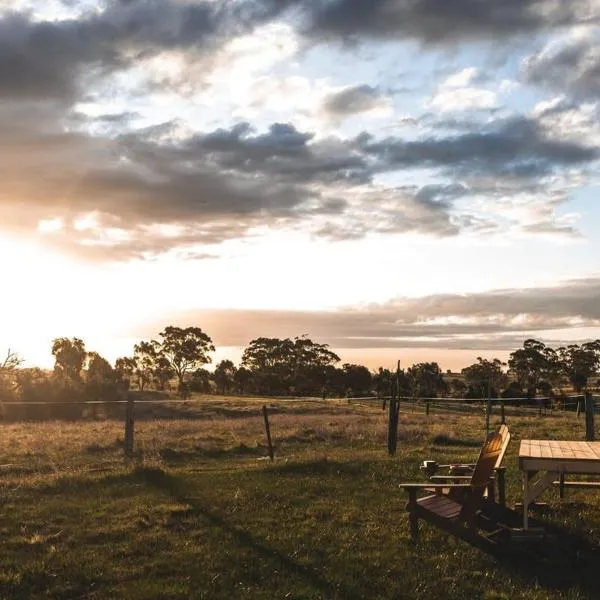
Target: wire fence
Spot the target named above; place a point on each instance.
(203, 428)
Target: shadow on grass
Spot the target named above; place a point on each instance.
(177, 489)
(175, 456)
(564, 560)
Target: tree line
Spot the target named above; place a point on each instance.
(282, 367)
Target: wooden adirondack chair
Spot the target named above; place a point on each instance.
(463, 472)
(458, 514)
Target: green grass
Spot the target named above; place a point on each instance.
(199, 513)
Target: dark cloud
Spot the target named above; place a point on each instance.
(442, 21)
(353, 100)
(499, 319)
(59, 59)
(515, 147)
(572, 66)
(221, 184)
(281, 153)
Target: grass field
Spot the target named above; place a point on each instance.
(199, 513)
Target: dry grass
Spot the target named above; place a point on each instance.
(199, 513)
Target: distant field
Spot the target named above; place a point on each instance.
(200, 513)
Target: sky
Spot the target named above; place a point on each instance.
(410, 180)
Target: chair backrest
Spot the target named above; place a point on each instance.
(488, 457)
(505, 433)
(491, 455)
(484, 468)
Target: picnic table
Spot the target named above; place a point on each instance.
(552, 460)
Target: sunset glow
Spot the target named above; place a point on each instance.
(418, 193)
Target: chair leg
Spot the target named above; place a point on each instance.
(413, 519)
(501, 487)
(491, 491)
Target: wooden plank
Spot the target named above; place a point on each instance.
(563, 450)
(560, 465)
(579, 484)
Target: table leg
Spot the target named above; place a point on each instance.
(526, 478)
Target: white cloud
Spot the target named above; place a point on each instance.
(563, 120)
(461, 78)
(50, 225)
(456, 93)
(460, 99)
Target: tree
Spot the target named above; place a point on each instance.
(386, 381)
(579, 363)
(271, 362)
(532, 364)
(185, 349)
(10, 362)
(310, 369)
(163, 372)
(357, 379)
(125, 368)
(145, 357)
(200, 381)
(284, 366)
(69, 356)
(458, 388)
(485, 378)
(513, 390)
(101, 380)
(224, 376)
(242, 378)
(8, 375)
(35, 387)
(383, 381)
(426, 380)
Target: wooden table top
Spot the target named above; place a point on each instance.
(563, 450)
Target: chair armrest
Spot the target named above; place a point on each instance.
(450, 478)
(436, 486)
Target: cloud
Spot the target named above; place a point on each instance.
(570, 64)
(426, 210)
(512, 147)
(61, 58)
(225, 183)
(352, 100)
(442, 21)
(498, 319)
(456, 93)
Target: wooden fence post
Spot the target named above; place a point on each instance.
(590, 433)
(488, 410)
(578, 407)
(129, 426)
(502, 415)
(427, 407)
(268, 432)
(393, 424)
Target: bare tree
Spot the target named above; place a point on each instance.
(8, 381)
(11, 362)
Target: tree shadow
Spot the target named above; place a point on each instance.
(177, 489)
